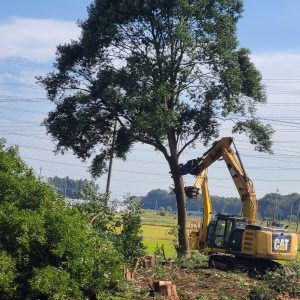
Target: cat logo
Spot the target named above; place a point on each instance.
(281, 243)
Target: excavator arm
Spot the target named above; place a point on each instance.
(222, 150)
(202, 183)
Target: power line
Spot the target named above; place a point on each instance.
(24, 110)
(20, 84)
(19, 120)
(22, 63)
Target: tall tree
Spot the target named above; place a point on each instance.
(170, 72)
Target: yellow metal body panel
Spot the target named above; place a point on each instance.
(194, 240)
(259, 244)
(255, 244)
(202, 183)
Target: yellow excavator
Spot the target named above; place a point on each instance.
(235, 241)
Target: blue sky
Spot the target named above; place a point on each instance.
(70, 10)
(265, 25)
(30, 31)
(270, 25)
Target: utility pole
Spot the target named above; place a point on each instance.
(297, 219)
(275, 217)
(66, 186)
(111, 158)
(291, 212)
(40, 174)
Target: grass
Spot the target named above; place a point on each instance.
(156, 236)
(156, 230)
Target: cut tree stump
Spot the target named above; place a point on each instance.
(166, 289)
(129, 275)
(148, 261)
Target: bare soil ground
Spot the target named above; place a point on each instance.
(198, 283)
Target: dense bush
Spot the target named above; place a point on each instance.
(261, 292)
(285, 281)
(7, 275)
(196, 260)
(131, 234)
(47, 249)
(122, 229)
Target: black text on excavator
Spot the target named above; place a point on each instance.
(233, 241)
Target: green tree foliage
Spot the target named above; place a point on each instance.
(158, 198)
(123, 229)
(169, 72)
(67, 187)
(101, 214)
(47, 249)
(7, 275)
(287, 205)
(131, 238)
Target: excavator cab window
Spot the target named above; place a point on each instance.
(240, 225)
(219, 234)
(227, 232)
(234, 238)
(223, 231)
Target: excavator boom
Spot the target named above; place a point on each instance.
(222, 149)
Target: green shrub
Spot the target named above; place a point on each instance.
(131, 233)
(42, 241)
(223, 297)
(104, 219)
(196, 260)
(7, 275)
(159, 252)
(162, 213)
(261, 292)
(183, 294)
(55, 283)
(201, 297)
(285, 280)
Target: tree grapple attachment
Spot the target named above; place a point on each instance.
(191, 192)
(190, 167)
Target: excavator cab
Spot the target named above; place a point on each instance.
(226, 232)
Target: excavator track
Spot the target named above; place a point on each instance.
(255, 267)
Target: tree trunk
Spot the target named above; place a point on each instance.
(183, 240)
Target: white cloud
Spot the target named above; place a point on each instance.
(279, 65)
(34, 39)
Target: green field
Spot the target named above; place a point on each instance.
(156, 230)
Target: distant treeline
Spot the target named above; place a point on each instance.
(270, 206)
(67, 187)
(280, 206)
